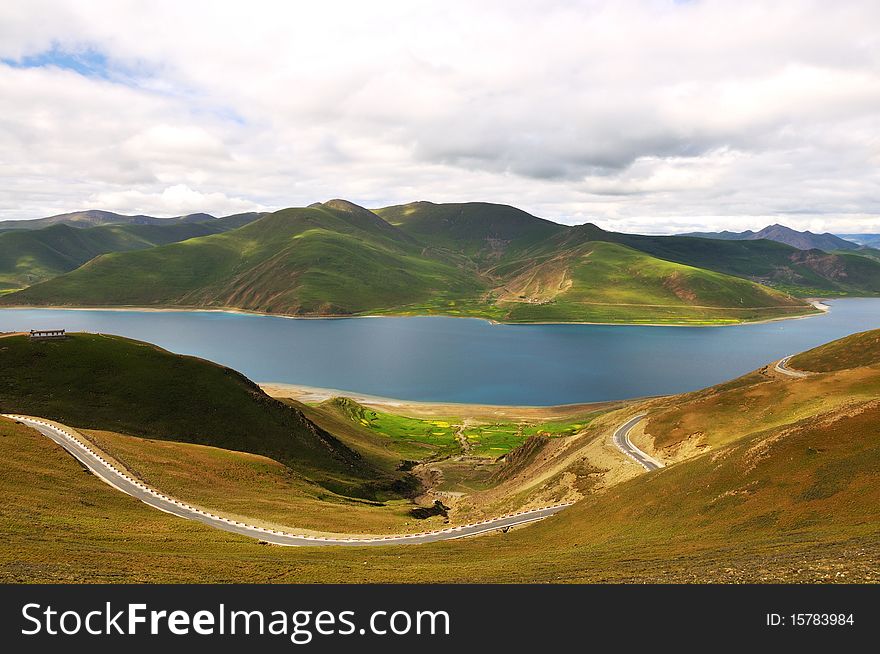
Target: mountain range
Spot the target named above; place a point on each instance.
(96, 217)
(466, 259)
(781, 234)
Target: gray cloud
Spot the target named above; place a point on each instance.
(650, 116)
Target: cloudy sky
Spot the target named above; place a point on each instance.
(654, 116)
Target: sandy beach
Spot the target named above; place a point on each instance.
(314, 395)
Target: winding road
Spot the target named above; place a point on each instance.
(782, 366)
(83, 451)
(623, 443)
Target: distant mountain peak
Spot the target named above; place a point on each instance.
(805, 240)
(97, 217)
(362, 217)
(344, 205)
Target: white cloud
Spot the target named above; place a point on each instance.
(172, 201)
(650, 116)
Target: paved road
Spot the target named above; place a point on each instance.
(782, 366)
(104, 470)
(621, 440)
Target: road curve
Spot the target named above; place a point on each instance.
(782, 366)
(107, 472)
(623, 443)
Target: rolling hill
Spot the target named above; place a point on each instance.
(119, 385)
(854, 351)
(602, 281)
(30, 256)
(803, 273)
(477, 230)
(781, 234)
(473, 259)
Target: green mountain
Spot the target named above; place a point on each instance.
(489, 234)
(475, 229)
(236, 220)
(120, 385)
(31, 256)
(600, 281)
(800, 272)
(334, 258)
(469, 259)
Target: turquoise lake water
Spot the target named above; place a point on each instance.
(467, 360)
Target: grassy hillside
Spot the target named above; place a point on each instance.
(254, 488)
(119, 385)
(800, 272)
(798, 504)
(851, 352)
(32, 256)
(318, 260)
(679, 427)
(235, 221)
(718, 416)
(476, 229)
(871, 253)
(607, 282)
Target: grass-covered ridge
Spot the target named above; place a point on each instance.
(601, 281)
(119, 385)
(28, 257)
(804, 273)
(854, 351)
(478, 230)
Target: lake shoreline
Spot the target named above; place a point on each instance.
(817, 304)
(315, 395)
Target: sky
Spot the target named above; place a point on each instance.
(652, 116)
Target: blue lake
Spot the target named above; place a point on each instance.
(467, 360)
